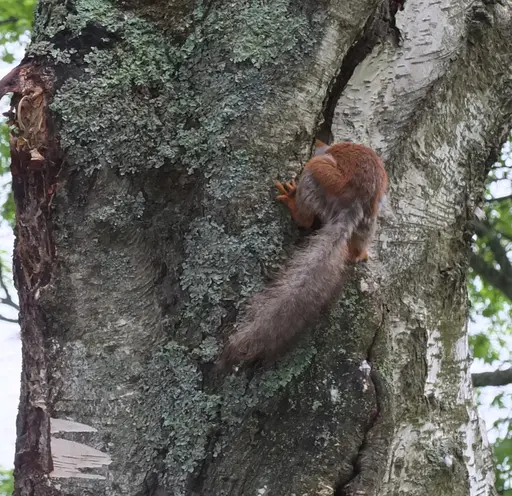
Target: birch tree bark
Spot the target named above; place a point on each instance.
(145, 141)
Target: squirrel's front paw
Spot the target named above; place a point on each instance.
(287, 190)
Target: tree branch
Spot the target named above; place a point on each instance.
(500, 279)
(491, 275)
(495, 378)
(484, 229)
(7, 319)
(8, 299)
(9, 20)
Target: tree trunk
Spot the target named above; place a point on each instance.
(146, 138)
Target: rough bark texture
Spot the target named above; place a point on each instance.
(148, 220)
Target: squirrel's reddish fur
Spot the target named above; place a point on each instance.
(342, 185)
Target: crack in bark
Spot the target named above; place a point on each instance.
(370, 462)
(196, 483)
(379, 26)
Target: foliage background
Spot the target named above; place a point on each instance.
(6, 482)
(490, 291)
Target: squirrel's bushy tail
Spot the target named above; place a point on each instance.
(277, 315)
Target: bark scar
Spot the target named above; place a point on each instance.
(35, 163)
(34, 166)
(26, 117)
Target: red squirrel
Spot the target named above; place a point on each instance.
(342, 185)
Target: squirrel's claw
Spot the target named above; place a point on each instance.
(286, 189)
(281, 188)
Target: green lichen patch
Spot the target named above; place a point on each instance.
(188, 417)
(256, 38)
(222, 269)
(182, 100)
(351, 327)
(121, 212)
(174, 17)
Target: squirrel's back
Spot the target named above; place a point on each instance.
(357, 174)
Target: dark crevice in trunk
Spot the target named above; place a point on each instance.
(370, 461)
(92, 36)
(379, 26)
(196, 483)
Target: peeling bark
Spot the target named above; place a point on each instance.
(148, 221)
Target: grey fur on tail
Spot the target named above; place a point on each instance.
(312, 280)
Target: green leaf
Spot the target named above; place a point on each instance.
(8, 58)
(6, 482)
